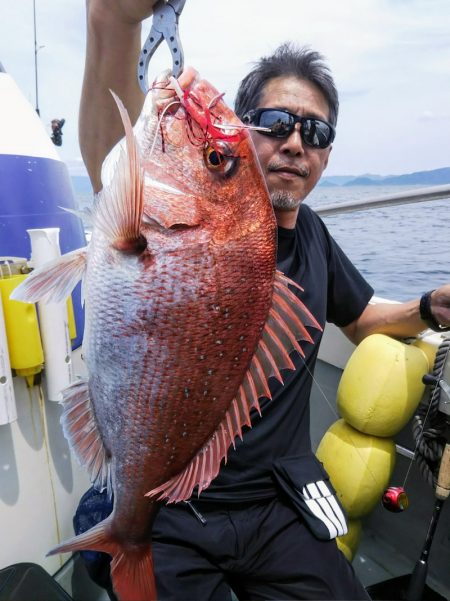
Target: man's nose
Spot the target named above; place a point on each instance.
(293, 144)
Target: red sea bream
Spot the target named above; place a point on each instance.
(186, 317)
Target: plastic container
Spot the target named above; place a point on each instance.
(22, 331)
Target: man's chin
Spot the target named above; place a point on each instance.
(284, 202)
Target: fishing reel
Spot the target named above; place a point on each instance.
(395, 499)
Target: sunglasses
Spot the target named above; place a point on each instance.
(279, 123)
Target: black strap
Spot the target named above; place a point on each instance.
(427, 316)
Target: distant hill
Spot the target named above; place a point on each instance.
(335, 180)
(365, 181)
(435, 177)
(326, 183)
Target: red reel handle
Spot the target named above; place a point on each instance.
(395, 499)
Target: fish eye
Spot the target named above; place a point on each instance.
(214, 158)
(219, 158)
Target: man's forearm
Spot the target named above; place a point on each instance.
(112, 51)
(397, 320)
(400, 320)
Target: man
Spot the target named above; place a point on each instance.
(245, 532)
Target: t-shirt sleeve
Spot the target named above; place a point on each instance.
(348, 291)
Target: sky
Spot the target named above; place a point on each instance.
(390, 60)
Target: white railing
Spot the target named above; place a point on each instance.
(387, 200)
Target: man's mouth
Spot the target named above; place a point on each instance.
(288, 169)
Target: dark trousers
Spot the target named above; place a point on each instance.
(260, 551)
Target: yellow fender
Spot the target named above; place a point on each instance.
(359, 466)
(381, 385)
(349, 543)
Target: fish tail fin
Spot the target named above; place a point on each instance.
(132, 574)
(131, 566)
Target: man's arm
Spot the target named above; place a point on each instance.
(112, 52)
(399, 320)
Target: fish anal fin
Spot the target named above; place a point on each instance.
(54, 281)
(205, 466)
(202, 469)
(281, 333)
(81, 431)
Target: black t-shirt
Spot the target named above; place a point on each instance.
(334, 291)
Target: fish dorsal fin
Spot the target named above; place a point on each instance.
(54, 281)
(81, 431)
(284, 327)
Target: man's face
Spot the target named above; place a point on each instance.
(290, 167)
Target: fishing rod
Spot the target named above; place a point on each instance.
(441, 477)
(56, 124)
(36, 50)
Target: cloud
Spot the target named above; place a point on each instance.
(349, 93)
(389, 57)
(430, 116)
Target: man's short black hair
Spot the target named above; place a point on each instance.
(288, 60)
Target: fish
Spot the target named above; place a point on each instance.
(186, 316)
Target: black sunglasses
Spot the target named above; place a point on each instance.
(279, 123)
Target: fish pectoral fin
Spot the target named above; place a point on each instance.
(84, 214)
(118, 207)
(284, 327)
(54, 281)
(81, 431)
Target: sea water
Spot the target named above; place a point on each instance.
(402, 251)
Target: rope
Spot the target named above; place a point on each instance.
(428, 426)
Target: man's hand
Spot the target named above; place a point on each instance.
(165, 92)
(440, 305)
(127, 11)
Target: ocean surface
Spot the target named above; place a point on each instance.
(402, 251)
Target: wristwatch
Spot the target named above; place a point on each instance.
(427, 316)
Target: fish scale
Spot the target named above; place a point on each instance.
(200, 337)
(186, 318)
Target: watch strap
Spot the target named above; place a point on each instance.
(427, 316)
